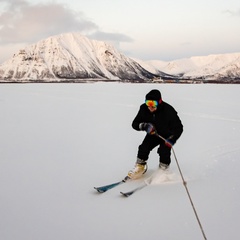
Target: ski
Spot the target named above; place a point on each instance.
(105, 188)
(128, 194)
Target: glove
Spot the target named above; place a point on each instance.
(148, 127)
(169, 142)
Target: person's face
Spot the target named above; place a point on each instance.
(152, 109)
(152, 105)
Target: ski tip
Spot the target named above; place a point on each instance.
(126, 194)
(99, 190)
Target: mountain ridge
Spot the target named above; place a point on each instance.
(71, 56)
(74, 57)
(212, 66)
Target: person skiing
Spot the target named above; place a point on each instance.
(155, 116)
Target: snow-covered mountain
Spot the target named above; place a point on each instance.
(71, 56)
(211, 67)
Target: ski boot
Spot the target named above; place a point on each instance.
(163, 166)
(139, 169)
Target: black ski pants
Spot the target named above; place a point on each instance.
(149, 143)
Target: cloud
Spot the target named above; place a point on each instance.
(23, 22)
(110, 36)
(233, 13)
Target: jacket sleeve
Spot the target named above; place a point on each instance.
(176, 126)
(138, 119)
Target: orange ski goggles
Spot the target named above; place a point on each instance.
(151, 103)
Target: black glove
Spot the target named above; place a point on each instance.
(148, 127)
(170, 141)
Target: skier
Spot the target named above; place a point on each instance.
(155, 116)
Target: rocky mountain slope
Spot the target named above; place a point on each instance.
(71, 56)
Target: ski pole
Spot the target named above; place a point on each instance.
(165, 140)
(185, 185)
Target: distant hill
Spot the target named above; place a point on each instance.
(211, 67)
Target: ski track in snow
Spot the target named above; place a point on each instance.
(163, 177)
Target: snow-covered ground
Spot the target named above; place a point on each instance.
(58, 141)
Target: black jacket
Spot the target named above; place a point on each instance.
(165, 119)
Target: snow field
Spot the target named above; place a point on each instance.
(58, 141)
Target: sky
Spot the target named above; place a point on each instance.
(148, 30)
